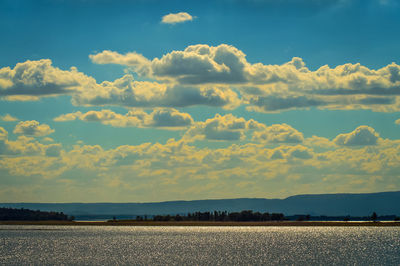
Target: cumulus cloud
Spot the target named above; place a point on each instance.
(39, 78)
(179, 162)
(199, 64)
(8, 118)
(227, 127)
(300, 152)
(166, 118)
(32, 128)
(34, 79)
(348, 86)
(210, 75)
(130, 93)
(174, 18)
(272, 88)
(361, 136)
(279, 133)
(291, 152)
(26, 146)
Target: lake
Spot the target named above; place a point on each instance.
(108, 245)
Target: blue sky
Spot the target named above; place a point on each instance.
(161, 100)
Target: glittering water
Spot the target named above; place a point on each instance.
(22, 245)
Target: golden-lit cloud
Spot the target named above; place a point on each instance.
(25, 145)
(137, 62)
(227, 127)
(174, 18)
(182, 167)
(212, 76)
(32, 128)
(3, 134)
(31, 80)
(165, 118)
(279, 133)
(130, 93)
(8, 118)
(361, 136)
(273, 88)
(38, 79)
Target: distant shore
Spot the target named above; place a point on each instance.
(201, 223)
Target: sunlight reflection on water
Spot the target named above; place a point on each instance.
(88, 245)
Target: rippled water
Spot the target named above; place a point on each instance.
(22, 245)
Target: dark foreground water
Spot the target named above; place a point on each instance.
(23, 245)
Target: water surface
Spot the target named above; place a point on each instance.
(108, 245)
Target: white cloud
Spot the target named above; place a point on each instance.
(165, 118)
(362, 135)
(39, 78)
(174, 18)
(32, 128)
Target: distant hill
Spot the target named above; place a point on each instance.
(384, 203)
(10, 214)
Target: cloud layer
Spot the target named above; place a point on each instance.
(252, 168)
(166, 118)
(227, 127)
(272, 88)
(211, 76)
(130, 93)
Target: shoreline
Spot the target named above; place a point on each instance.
(205, 223)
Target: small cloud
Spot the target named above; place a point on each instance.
(3, 134)
(398, 122)
(363, 135)
(279, 133)
(137, 62)
(32, 128)
(174, 18)
(8, 118)
(68, 117)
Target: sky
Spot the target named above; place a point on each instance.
(146, 101)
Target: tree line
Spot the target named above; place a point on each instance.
(10, 214)
(220, 216)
